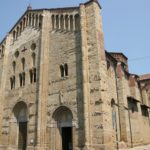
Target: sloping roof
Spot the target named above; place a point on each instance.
(119, 53)
(145, 77)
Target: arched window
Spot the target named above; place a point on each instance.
(23, 78)
(66, 69)
(33, 20)
(62, 22)
(17, 31)
(24, 23)
(40, 21)
(77, 22)
(53, 21)
(20, 27)
(34, 74)
(71, 23)
(31, 76)
(66, 22)
(3, 49)
(14, 66)
(36, 22)
(62, 70)
(57, 22)
(23, 63)
(14, 35)
(20, 78)
(11, 83)
(30, 20)
(14, 81)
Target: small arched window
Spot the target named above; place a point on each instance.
(31, 76)
(62, 22)
(23, 78)
(14, 81)
(36, 22)
(53, 21)
(20, 78)
(11, 83)
(62, 70)
(24, 23)
(20, 27)
(40, 21)
(71, 23)
(23, 63)
(57, 22)
(3, 49)
(33, 20)
(14, 35)
(30, 20)
(17, 31)
(66, 69)
(77, 22)
(66, 22)
(34, 74)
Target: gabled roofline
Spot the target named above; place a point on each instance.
(32, 10)
(3, 40)
(18, 21)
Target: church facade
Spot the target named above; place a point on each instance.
(61, 90)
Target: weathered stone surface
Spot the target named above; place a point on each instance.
(57, 81)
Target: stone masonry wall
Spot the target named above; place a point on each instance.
(26, 93)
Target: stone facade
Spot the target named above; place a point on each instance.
(60, 89)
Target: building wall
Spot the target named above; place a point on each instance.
(27, 93)
(77, 84)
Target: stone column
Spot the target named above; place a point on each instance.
(68, 23)
(99, 131)
(64, 22)
(54, 21)
(85, 78)
(59, 26)
(73, 23)
(43, 83)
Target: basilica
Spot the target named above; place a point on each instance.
(61, 90)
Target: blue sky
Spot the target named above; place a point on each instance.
(126, 25)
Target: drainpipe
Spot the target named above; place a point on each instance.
(117, 145)
(117, 139)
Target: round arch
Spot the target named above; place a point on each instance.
(63, 131)
(20, 111)
(19, 125)
(63, 116)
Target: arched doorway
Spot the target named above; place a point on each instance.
(63, 117)
(20, 113)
